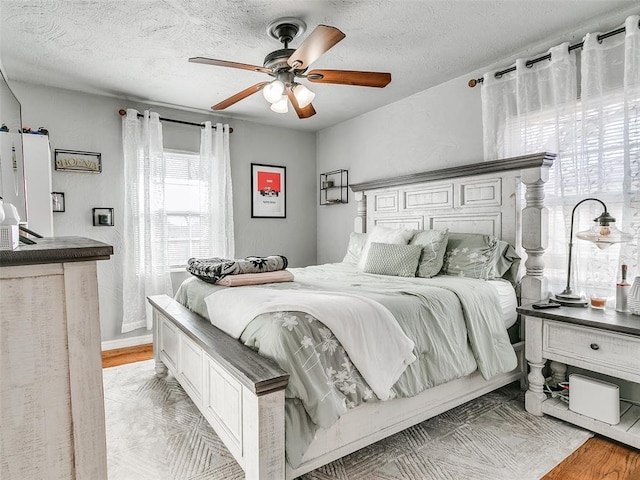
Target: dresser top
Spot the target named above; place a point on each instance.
(56, 250)
(607, 319)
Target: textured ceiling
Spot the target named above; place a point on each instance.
(138, 49)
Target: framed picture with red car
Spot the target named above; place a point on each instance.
(268, 191)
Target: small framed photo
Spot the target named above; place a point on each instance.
(57, 201)
(75, 161)
(268, 191)
(103, 217)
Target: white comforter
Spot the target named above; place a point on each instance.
(357, 322)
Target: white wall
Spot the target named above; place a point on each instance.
(91, 123)
(440, 127)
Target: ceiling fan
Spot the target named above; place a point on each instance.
(287, 64)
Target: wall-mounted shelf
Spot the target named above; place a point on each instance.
(334, 187)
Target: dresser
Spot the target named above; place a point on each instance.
(52, 423)
(603, 341)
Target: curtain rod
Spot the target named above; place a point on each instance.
(122, 112)
(474, 81)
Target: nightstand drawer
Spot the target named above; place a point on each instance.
(592, 347)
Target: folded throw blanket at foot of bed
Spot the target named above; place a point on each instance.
(213, 269)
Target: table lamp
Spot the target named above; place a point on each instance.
(604, 234)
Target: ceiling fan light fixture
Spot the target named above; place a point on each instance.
(273, 91)
(303, 95)
(281, 106)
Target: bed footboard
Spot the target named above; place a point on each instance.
(240, 393)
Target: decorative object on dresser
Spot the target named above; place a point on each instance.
(268, 191)
(334, 187)
(622, 292)
(606, 343)
(9, 231)
(241, 393)
(604, 234)
(52, 408)
(76, 161)
(103, 217)
(57, 201)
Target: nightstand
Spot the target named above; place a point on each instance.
(603, 341)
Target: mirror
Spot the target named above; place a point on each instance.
(12, 184)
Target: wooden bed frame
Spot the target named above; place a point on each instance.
(241, 394)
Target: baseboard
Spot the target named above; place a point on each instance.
(127, 342)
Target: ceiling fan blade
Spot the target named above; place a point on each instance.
(239, 96)
(224, 63)
(305, 112)
(350, 77)
(320, 40)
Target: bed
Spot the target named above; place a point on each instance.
(242, 393)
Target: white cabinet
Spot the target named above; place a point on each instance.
(37, 174)
(52, 423)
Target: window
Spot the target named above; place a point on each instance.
(186, 221)
(593, 161)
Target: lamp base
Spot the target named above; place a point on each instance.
(567, 301)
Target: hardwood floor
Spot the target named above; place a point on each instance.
(598, 459)
(121, 356)
(601, 459)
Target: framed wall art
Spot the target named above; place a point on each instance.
(103, 217)
(268, 191)
(57, 201)
(74, 161)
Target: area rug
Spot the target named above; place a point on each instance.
(155, 432)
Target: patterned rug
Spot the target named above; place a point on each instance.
(155, 432)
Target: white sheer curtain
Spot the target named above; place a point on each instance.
(596, 133)
(216, 191)
(144, 243)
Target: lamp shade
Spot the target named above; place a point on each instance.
(273, 91)
(281, 106)
(303, 95)
(604, 235)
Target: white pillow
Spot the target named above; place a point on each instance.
(379, 234)
(355, 247)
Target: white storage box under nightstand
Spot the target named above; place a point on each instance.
(594, 398)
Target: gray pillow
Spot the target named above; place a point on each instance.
(471, 255)
(434, 245)
(354, 249)
(393, 259)
(507, 262)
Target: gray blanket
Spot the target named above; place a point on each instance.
(213, 269)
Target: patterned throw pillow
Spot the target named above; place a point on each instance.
(470, 255)
(434, 245)
(379, 234)
(354, 249)
(393, 259)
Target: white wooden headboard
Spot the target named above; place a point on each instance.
(478, 198)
